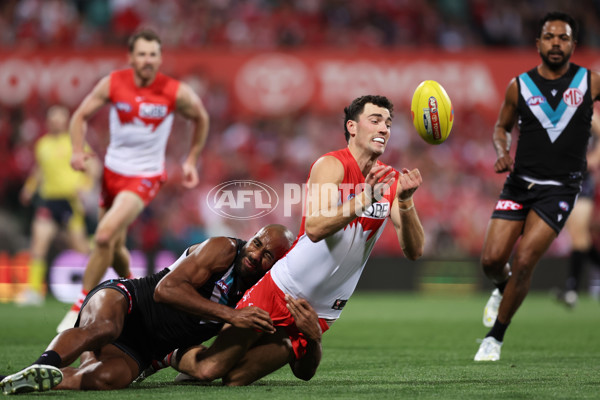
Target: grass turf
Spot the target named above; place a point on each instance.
(386, 345)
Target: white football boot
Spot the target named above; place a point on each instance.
(35, 378)
(489, 350)
(490, 312)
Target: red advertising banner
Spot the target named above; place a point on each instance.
(272, 83)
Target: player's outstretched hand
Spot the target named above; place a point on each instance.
(254, 318)
(409, 182)
(378, 181)
(306, 318)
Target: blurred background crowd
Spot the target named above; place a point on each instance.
(460, 187)
(268, 24)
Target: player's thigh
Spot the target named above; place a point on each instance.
(536, 239)
(500, 238)
(43, 232)
(124, 210)
(578, 224)
(270, 353)
(104, 311)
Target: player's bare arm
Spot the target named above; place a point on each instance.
(190, 106)
(504, 125)
(96, 99)
(307, 322)
(407, 224)
(324, 216)
(178, 287)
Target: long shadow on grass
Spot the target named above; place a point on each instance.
(352, 382)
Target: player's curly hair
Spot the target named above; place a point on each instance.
(559, 16)
(146, 34)
(358, 105)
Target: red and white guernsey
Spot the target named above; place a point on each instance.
(140, 123)
(326, 272)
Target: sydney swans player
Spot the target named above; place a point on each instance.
(143, 103)
(338, 232)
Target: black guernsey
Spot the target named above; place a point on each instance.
(154, 329)
(554, 125)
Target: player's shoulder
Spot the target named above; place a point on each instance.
(328, 164)
(217, 252)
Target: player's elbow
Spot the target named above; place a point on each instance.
(414, 254)
(313, 232)
(161, 294)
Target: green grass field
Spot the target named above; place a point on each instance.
(386, 346)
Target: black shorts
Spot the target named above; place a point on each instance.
(134, 339)
(552, 203)
(588, 187)
(59, 210)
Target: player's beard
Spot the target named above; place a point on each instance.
(555, 65)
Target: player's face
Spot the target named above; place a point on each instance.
(372, 130)
(145, 59)
(260, 254)
(57, 120)
(556, 44)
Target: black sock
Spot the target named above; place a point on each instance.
(50, 357)
(576, 262)
(497, 331)
(502, 286)
(594, 256)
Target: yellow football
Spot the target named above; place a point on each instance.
(432, 112)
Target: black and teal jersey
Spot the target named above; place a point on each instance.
(159, 328)
(554, 125)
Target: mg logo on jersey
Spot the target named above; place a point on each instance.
(573, 97)
(508, 205)
(242, 199)
(155, 111)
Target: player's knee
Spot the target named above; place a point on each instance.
(103, 238)
(491, 264)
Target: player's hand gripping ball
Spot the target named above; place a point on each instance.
(432, 112)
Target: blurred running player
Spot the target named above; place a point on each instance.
(579, 223)
(143, 102)
(58, 205)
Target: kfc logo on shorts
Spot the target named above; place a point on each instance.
(563, 205)
(508, 205)
(155, 111)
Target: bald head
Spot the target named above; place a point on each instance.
(280, 230)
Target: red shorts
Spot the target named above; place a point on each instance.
(144, 186)
(267, 296)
